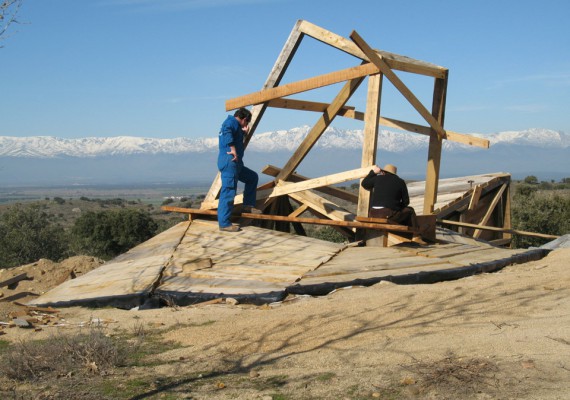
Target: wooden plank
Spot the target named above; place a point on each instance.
(294, 177)
(475, 197)
(322, 206)
(300, 210)
(14, 279)
(395, 61)
(350, 112)
(370, 139)
(490, 210)
(318, 129)
(497, 229)
(284, 187)
(402, 88)
(315, 221)
(302, 86)
(274, 78)
(360, 218)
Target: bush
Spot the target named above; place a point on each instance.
(92, 353)
(326, 233)
(539, 212)
(106, 234)
(28, 234)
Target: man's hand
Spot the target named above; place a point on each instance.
(376, 169)
(233, 153)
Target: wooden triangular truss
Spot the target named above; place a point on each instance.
(372, 64)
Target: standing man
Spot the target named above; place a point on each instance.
(390, 197)
(232, 169)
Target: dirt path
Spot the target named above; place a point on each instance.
(493, 336)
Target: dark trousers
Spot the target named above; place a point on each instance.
(405, 216)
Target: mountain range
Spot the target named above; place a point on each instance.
(43, 160)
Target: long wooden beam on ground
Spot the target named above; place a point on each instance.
(350, 112)
(274, 78)
(497, 229)
(395, 61)
(302, 86)
(314, 221)
(377, 60)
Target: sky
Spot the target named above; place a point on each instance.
(164, 68)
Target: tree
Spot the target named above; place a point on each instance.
(28, 234)
(106, 234)
(8, 12)
(531, 180)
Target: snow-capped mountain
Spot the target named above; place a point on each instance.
(40, 160)
(283, 140)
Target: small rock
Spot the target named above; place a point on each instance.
(253, 374)
(22, 323)
(232, 301)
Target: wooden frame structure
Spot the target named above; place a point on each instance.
(275, 196)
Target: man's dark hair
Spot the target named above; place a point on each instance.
(243, 113)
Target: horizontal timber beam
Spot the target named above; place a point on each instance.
(395, 61)
(302, 86)
(350, 112)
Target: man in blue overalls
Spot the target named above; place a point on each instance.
(232, 169)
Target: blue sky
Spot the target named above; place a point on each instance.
(165, 68)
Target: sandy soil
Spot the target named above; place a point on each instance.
(504, 335)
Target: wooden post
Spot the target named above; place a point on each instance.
(370, 141)
(435, 145)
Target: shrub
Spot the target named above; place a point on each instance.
(106, 234)
(539, 212)
(28, 234)
(91, 352)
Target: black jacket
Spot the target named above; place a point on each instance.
(388, 190)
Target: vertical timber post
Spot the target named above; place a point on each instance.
(435, 145)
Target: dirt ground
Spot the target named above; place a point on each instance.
(504, 335)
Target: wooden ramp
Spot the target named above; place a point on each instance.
(194, 262)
